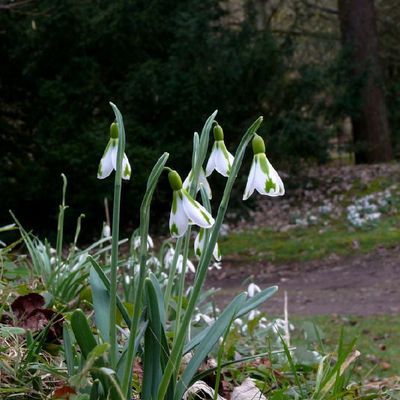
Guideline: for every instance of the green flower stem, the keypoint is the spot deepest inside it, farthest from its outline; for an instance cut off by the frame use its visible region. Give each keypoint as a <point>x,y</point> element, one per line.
<point>174,360</point>
<point>144,230</point>
<point>115,237</point>
<point>60,224</point>
<point>181,284</point>
<point>171,275</point>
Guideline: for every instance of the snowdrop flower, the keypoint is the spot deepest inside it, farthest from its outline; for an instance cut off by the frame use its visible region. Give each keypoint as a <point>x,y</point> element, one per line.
<point>220,158</point>
<point>185,210</point>
<point>189,265</point>
<point>199,244</point>
<point>106,231</point>
<point>202,181</point>
<point>262,176</point>
<point>253,289</point>
<point>109,160</point>
<point>169,257</point>
<point>216,265</point>
<point>253,314</point>
<point>200,316</point>
<point>136,242</point>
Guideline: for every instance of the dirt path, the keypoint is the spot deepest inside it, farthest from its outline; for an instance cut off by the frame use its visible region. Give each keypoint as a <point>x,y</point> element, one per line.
<point>358,285</point>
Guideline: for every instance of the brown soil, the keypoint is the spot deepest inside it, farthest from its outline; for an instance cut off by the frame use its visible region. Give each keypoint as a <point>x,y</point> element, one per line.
<point>355,285</point>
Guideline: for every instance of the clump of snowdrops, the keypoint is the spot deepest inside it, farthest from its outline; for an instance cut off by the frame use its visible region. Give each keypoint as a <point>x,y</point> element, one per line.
<point>156,329</point>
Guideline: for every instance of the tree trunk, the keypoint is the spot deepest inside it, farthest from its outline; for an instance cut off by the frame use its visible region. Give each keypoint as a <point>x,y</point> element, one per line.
<point>371,132</point>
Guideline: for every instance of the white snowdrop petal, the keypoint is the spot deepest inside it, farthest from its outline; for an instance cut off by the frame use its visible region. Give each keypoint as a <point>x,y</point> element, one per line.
<point>260,177</point>
<point>221,163</point>
<point>187,181</point>
<point>217,253</point>
<point>211,161</point>
<point>105,166</point>
<point>190,267</point>
<point>253,289</point>
<point>114,153</point>
<point>250,181</point>
<point>178,220</point>
<point>198,248</point>
<point>196,212</point>
<point>126,168</point>
<point>280,189</point>
<point>204,182</point>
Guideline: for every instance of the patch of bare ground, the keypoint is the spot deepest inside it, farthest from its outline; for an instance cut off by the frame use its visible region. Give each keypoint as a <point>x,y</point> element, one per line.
<point>353,285</point>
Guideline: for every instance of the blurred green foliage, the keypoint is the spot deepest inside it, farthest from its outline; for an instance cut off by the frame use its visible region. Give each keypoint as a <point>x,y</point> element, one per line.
<point>167,65</point>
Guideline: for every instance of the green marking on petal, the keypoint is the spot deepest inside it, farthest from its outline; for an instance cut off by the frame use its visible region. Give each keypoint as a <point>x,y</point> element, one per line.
<point>174,230</point>
<point>198,252</point>
<point>189,197</point>
<point>263,163</point>
<point>224,151</point>
<point>174,202</point>
<point>100,170</point>
<point>127,171</point>
<point>270,185</point>
<point>205,216</point>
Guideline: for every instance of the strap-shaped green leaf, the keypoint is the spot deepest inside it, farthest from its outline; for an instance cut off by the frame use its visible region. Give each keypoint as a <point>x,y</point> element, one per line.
<point>106,283</point>
<point>82,332</point>
<point>152,344</point>
<point>68,350</point>
<point>160,297</point>
<point>208,342</point>
<point>101,304</point>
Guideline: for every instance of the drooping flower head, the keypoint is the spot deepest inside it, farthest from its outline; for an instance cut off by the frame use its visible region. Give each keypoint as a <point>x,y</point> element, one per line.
<point>185,210</point>
<point>109,160</point>
<point>199,244</point>
<point>202,182</point>
<point>220,158</point>
<point>262,176</point>
<point>253,289</point>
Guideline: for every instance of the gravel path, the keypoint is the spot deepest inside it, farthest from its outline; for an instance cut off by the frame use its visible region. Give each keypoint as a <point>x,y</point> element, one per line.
<point>364,285</point>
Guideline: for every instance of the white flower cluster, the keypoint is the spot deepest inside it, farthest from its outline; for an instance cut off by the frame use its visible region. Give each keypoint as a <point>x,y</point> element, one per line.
<point>368,209</point>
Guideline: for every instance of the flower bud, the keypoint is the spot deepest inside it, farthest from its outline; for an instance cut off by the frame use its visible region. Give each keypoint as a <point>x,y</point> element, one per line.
<point>175,180</point>
<point>114,131</point>
<point>218,132</point>
<point>258,144</point>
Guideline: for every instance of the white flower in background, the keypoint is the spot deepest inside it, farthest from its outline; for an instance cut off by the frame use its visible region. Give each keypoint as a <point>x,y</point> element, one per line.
<point>169,257</point>
<point>216,265</point>
<point>200,316</point>
<point>199,244</point>
<point>109,160</point>
<point>153,261</point>
<point>253,289</point>
<point>253,314</point>
<point>185,210</point>
<point>189,265</point>
<point>262,323</point>
<point>220,158</point>
<point>106,231</point>
<point>262,176</point>
<point>201,182</point>
<point>136,242</point>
